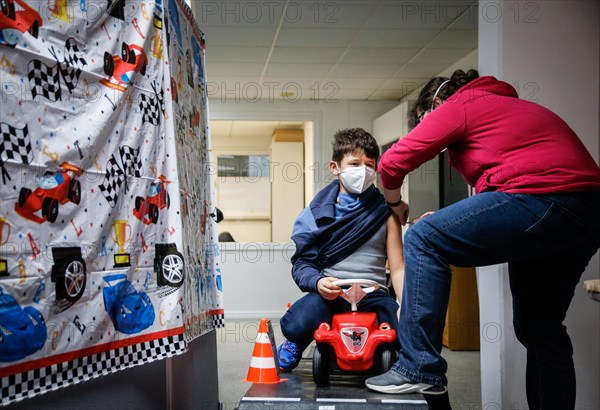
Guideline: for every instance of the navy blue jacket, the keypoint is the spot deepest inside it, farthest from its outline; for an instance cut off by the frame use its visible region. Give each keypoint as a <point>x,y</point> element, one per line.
<point>322,240</point>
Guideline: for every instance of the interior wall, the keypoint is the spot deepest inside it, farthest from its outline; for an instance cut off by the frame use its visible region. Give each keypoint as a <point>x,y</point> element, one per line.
<point>328,116</point>
<point>559,68</point>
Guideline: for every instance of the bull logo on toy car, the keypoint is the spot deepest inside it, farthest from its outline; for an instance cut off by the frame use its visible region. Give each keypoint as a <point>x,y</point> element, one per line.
<point>353,338</point>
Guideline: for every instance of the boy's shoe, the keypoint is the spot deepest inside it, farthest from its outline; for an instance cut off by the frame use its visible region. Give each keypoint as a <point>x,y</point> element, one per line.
<point>289,356</point>
<point>393,382</point>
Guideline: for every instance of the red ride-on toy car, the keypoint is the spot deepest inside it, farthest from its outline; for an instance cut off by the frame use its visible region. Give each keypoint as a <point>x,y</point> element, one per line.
<point>354,342</point>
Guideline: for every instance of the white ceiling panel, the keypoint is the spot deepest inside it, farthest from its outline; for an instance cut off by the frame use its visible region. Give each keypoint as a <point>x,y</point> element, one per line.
<point>301,70</point>
<point>323,37</point>
<point>456,39</point>
<point>235,69</point>
<point>307,55</point>
<point>420,71</point>
<point>359,84</point>
<point>395,38</point>
<point>217,36</point>
<point>354,49</point>
<point>361,55</point>
<point>237,54</point>
<point>359,70</point>
<point>446,56</point>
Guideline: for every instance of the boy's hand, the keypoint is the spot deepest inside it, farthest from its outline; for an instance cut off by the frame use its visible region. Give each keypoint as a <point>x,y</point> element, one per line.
<point>327,289</point>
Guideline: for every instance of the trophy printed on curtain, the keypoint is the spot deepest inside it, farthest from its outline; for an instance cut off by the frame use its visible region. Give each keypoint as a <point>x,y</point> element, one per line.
<point>3,241</point>
<point>121,237</point>
<point>60,10</point>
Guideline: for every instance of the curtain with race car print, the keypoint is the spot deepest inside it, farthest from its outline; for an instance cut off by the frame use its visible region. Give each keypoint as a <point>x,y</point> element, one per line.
<point>107,244</point>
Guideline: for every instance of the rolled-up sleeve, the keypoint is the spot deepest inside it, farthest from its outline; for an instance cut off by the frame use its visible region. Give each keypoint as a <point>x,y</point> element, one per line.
<point>439,129</point>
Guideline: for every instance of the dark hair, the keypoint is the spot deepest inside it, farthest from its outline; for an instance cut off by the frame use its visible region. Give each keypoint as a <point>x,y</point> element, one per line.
<point>425,100</point>
<point>353,140</point>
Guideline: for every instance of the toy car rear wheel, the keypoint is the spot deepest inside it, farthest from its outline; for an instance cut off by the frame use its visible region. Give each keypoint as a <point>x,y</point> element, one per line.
<point>23,195</point>
<point>167,200</point>
<point>75,191</point>
<point>50,209</point>
<point>321,365</point>
<point>138,203</point>
<point>34,29</point>
<point>153,213</point>
<point>125,52</point>
<point>8,9</point>
<point>109,64</point>
<point>388,358</point>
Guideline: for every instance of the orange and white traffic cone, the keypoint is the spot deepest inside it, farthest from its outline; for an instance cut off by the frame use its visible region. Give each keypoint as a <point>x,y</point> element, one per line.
<point>262,368</point>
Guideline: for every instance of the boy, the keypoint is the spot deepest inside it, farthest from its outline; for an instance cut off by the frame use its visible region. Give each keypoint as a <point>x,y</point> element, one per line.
<point>347,232</point>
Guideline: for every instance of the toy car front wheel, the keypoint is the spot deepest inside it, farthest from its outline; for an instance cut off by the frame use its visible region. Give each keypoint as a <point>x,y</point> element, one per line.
<point>23,195</point>
<point>321,365</point>
<point>109,64</point>
<point>75,191</point>
<point>50,209</point>
<point>138,203</point>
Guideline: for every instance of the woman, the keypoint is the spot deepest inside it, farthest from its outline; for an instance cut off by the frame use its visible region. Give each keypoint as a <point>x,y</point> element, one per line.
<point>537,207</point>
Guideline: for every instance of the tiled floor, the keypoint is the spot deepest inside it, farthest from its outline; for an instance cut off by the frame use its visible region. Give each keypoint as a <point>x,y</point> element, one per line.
<point>236,341</point>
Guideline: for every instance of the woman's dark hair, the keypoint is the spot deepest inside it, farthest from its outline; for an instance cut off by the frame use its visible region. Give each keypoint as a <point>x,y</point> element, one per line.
<point>354,140</point>
<point>425,100</point>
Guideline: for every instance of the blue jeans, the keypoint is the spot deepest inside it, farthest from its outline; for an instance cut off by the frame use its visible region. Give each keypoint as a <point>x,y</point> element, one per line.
<point>547,240</point>
<point>299,323</point>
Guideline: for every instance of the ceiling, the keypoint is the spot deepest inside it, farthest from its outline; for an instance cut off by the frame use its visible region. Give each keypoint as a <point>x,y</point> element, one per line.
<point>330,50</point>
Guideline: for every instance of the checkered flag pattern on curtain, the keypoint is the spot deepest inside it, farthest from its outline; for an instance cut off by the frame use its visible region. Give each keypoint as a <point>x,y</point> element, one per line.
<point>72,66</point>
<point>116,174</point>
<point>132,165</point>
<point>43,380</point>
<point>113,179</point>
<point>15,145</point>
<point>45,80</point>
<point>150,107</point>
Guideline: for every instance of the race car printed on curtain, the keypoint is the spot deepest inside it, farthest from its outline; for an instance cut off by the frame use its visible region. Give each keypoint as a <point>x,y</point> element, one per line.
<point>103,147</point>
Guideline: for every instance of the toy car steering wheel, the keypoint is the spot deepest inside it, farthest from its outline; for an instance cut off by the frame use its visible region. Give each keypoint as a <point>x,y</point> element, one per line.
<point>353,290</point>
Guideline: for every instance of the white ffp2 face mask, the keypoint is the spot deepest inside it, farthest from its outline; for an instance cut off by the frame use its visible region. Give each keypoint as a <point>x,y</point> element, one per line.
<point>356,180</point>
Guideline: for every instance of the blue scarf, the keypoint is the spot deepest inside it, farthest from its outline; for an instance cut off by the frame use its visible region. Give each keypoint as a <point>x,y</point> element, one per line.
<point>336,238</point>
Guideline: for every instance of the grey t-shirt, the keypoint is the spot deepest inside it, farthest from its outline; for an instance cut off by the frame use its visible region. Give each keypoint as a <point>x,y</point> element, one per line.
<point>367,262</point>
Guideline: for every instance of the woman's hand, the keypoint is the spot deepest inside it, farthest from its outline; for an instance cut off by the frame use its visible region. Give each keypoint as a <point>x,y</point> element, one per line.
<point>402,211</point>
<point>327,289</point>
<point>426,214</point>
<point>393,196</point>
